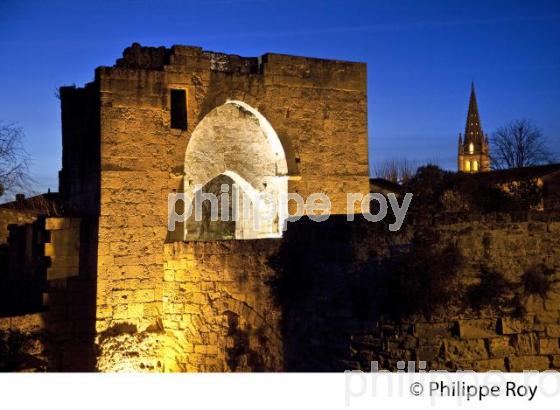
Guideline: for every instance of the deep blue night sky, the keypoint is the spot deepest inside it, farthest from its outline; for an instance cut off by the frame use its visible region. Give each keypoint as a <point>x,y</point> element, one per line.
<point>421,55</point>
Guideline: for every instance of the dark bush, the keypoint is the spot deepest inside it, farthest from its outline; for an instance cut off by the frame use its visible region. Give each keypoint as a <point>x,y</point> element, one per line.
<point>526,194</point>
<point>537,281</point>
<point>12,350</point>
<point>428,186</point>
<point>420,280</point>
<point>493,291</point>
<point>507,298</point>
<point>431,184</point>
<point>309,255</point>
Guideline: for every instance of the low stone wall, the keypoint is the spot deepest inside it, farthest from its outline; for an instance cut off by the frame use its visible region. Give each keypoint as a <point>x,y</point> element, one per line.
<point>218,300</point>
<point>456,337</point>
<point>13,216</point>
<point>309,302</point>
<point>23,343</point>
<point>479,344</point>
<point>21,282</point>
<point>33,323</point>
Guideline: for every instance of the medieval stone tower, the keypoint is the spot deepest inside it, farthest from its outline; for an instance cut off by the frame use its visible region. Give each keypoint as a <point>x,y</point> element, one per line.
<point>473,155</point>
<point>162,121</point>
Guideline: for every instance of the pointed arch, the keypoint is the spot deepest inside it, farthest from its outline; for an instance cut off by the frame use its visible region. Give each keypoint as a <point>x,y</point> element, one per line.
<point>237,141</point>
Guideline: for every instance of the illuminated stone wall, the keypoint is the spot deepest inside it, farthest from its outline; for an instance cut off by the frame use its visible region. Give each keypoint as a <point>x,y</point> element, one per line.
<point>15,217</point>
<point>222,310</point>
<point>219,314</point>
<point>316,107</point>
<point>63,247</point>
<point>25,336</point>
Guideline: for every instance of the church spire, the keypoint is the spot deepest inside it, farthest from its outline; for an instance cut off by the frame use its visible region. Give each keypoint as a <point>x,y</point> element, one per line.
<point>473,128</point>
<point>473,147</point>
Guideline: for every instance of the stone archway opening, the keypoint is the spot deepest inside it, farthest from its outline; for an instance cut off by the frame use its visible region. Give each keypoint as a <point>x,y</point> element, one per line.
<point>235,156</point>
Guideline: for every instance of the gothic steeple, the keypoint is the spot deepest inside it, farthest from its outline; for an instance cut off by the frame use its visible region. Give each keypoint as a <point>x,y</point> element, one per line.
<point>473,128</point>
<point>473,146</point>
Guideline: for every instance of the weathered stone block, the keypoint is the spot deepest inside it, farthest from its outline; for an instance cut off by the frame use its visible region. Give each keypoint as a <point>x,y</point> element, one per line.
<point>549,346</point>
<point>501,347</point>
<point>144,295</point>
<point>553,330</point>
<point>135,310</point>
<point>174,308</point>
<point>552,301</point>
<point>182,275</point>
<point>53,224</point>
<point>509,326</point>
<point>547,317</point>
<point>429,332</point>
<point>206,349</point>
<point>477,329</point>
<point>191,309</point>
<point>457,350</point>
<point>428,353</point>
<point>168,275</point>
<point>527,363</point>
<point>199,298</point>
<point>489,365</point>
<point>527,343</point>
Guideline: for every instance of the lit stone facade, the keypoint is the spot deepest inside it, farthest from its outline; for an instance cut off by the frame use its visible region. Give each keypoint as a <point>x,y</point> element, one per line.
<point>273,124</point>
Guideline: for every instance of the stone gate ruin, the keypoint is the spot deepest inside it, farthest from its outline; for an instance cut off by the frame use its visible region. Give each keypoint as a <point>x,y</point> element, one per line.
<point>172,120</point>
<point>119,291</point>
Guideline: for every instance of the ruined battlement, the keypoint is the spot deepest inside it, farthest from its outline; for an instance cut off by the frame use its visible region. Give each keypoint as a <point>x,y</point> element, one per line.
<point>178,58</point>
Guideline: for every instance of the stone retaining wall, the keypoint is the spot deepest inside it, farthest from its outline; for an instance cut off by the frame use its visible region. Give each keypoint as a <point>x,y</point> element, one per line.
<point>13,216</point>
<point>223,309</point>
<point>325,332</point>
<point>23,342</point>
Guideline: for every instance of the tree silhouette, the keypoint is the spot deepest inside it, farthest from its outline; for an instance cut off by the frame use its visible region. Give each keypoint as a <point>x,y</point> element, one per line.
<point>519,144</point>
<point>14,160</point>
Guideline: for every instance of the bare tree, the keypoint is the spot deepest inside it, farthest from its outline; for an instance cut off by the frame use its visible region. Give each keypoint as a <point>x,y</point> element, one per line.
<point>519,144</point>
<point>395,170</point>
<point>14,160</point>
